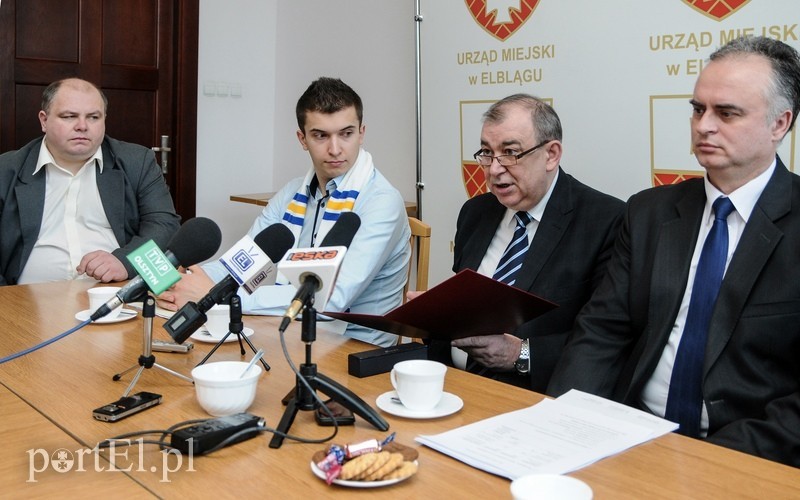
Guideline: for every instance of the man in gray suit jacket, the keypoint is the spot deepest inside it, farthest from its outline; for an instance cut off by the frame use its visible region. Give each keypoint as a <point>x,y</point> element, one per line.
<point>641,320</point>
<point>76,202</point>
<point>571,234</point>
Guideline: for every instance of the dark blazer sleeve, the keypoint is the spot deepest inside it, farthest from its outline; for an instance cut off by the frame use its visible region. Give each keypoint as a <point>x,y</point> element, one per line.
<point>136,198</point>
<point>565,263</point>
<point>21,209</point>
<point>592,363</point>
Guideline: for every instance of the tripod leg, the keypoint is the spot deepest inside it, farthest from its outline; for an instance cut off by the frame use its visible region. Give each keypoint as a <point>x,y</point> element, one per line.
<point>349,400</point>
<point>252,347</point>
<point>285,423</point>
<point>184,377</point>
<point>241,346</point>
<point>133,381</point>
<point>288,397</point>
<point>122,374</point>
<point>214,349</point>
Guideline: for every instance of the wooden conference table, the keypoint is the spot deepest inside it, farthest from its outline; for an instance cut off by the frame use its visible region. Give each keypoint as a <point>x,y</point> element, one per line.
<point>47,397</point>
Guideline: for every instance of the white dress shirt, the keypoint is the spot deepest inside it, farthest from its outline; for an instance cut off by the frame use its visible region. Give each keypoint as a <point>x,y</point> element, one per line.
<point>74,222</point>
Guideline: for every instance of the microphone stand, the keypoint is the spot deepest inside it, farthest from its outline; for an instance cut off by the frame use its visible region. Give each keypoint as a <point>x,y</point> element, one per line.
<point>147,359</point>
<point>235,327</point>
<point>303,399</point>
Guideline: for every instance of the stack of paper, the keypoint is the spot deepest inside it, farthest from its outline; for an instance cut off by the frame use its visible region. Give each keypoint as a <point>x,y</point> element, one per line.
<point>554,436</point>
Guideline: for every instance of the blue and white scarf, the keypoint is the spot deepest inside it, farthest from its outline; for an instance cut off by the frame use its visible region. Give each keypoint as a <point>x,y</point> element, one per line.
<point>343,199</point>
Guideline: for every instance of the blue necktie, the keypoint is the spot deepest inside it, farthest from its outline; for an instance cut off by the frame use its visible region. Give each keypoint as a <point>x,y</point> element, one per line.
<point>685,399</point>
<point>512,258</point>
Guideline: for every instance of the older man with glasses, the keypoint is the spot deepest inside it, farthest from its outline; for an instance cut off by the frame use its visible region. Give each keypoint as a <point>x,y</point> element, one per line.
<point>538,229</point>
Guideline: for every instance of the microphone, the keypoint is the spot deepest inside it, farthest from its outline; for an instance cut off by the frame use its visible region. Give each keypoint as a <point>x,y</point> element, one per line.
<point>250,268</point>
<point>198,239</point>
<point>313,270</point>
<point>250,264</point>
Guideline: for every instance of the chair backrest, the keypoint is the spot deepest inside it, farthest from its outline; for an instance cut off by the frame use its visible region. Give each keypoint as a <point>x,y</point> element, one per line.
<point>420,254</point>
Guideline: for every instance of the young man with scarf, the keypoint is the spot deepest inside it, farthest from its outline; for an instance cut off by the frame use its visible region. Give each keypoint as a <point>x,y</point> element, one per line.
<point>342,179</point>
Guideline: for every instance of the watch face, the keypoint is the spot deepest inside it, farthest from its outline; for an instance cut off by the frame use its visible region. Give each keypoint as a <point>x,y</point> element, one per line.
<point>522,365</point>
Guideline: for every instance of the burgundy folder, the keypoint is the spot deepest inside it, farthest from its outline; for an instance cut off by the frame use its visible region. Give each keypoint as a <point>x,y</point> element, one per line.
<point>466,305</point>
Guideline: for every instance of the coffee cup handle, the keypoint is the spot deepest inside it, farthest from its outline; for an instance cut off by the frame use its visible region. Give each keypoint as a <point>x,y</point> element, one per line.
<point>393,378</point>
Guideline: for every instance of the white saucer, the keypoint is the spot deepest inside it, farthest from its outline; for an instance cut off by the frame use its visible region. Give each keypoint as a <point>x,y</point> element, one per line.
<point>202,335</point>
<point>449,404</point>
<point>124,315</point>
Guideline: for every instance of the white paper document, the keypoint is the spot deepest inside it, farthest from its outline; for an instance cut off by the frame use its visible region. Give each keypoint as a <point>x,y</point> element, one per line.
<point>554,436</point>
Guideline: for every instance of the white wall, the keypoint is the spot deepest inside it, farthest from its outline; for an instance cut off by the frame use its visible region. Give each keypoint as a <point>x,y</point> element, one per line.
<point>275,50</point>
<point>235,139</point>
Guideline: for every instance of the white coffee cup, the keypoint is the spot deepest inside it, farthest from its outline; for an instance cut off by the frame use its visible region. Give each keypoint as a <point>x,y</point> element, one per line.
<point>419,383</point>
<point>99,295</point>
<point>550,487</point>
<point>218,320</point>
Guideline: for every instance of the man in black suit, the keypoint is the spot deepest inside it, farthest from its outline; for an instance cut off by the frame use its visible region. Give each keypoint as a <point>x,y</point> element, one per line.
<point>641,320</point>
<point>571,234</point>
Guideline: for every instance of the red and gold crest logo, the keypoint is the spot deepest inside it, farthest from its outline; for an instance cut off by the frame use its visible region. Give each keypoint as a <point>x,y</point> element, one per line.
<point>501,18</point>
<point>474,178</point>
<point>716,9</point>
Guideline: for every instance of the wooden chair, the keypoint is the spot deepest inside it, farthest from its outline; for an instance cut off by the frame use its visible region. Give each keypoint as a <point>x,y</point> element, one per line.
<point>420,254</point>
<point>420,260</point>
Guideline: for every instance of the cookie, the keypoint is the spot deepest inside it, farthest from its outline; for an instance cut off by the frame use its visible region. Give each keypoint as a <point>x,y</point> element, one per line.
<point>395,461</point>
<point>409,454</point>
<point>353,468</point>
<point>319,456</point>
<point>402,472</point>
<point>380,461</point>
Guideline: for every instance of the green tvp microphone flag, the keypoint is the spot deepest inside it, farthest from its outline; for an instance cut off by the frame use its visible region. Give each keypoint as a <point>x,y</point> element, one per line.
<point>154,267</point>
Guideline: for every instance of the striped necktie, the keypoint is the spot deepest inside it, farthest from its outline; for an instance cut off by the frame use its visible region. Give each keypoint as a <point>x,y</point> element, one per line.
<point>685,398</point>
<point>512,258</point>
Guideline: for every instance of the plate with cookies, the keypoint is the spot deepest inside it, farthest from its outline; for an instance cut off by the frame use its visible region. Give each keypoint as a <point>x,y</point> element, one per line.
<point>377,467</point>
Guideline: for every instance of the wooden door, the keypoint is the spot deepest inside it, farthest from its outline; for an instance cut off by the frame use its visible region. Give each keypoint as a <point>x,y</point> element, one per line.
<point>142,53</point>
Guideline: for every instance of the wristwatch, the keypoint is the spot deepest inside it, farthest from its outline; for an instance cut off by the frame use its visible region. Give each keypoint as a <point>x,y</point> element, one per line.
<point>523,363</point>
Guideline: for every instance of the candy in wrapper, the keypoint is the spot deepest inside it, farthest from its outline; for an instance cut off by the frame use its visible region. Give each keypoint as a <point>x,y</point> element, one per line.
<point>332,473</point>
<point>338,451</point>
<point>388,439</point>
<point>331,466</point>
<point>355,449</point>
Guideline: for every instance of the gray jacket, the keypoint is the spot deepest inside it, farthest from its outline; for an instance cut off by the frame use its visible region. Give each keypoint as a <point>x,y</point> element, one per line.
<point>133,192</point>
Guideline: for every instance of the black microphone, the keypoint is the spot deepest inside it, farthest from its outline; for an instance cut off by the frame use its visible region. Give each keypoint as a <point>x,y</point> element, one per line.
<point>274,240</point>
<point>198,239</point>
<point>314,270</point>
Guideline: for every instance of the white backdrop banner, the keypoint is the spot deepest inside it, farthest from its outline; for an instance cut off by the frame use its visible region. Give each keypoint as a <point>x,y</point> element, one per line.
<point>618,72</point>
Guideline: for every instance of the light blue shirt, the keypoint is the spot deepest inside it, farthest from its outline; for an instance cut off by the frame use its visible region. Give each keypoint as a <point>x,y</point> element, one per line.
<point>375,267</point>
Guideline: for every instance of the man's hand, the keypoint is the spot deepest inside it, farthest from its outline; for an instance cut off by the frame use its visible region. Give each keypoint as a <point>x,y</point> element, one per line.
<point>412,294</point>
<point>102,266</point>
<point>498,352</point>
<point>193,286</point>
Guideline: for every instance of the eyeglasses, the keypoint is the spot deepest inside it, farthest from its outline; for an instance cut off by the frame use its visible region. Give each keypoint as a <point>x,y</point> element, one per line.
<point>485,160</point>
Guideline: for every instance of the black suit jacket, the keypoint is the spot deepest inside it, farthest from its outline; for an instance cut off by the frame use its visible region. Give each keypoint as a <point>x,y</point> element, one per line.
<point>564,264</point>
<point>751,374</point>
